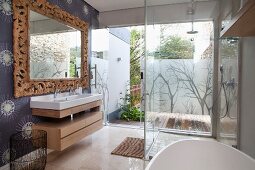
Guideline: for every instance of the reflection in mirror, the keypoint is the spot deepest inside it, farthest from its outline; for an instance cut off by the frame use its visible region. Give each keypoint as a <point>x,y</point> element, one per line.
<point>55,49</point>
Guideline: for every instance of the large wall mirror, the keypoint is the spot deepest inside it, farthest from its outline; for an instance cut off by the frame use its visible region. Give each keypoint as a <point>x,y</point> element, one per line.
<point>50,49</point>
<point>55,49</point>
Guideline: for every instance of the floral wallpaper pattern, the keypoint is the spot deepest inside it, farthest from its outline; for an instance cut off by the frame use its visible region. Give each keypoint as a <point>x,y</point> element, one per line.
<point>15,114</point>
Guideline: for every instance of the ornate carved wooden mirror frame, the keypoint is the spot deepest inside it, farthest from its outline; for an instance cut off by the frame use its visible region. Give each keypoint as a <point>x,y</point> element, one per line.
<point>23,85</point>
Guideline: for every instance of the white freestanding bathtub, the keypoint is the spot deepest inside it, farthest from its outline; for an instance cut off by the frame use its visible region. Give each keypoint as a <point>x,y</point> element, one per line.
<point>200,155</point>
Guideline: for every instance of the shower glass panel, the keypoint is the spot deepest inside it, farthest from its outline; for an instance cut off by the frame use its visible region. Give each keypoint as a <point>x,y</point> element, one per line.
<point>178,75</point>
<point>228,91</point>
<point>150,98</point>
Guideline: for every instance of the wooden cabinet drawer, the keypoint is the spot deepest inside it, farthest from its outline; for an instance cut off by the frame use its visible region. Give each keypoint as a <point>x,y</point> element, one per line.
<point>72,130</point>
<point>79,123</point>
<point>77,136</point>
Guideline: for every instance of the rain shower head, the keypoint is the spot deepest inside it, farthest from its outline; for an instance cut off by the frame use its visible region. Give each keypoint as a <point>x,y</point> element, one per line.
<point>191,12</point>
<point>192,29</point>
<point>192,32</point>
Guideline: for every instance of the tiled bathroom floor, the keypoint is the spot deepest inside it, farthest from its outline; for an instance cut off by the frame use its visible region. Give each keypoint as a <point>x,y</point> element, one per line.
<point>94,152</point>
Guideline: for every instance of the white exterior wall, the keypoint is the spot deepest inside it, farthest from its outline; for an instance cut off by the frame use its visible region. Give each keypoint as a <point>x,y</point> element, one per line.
<point>119,71</point>
<point>114,74</point>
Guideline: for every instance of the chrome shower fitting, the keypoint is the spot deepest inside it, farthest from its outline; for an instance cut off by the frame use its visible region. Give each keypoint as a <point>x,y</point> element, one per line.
<point>221,69</point>
<point>230,83</point>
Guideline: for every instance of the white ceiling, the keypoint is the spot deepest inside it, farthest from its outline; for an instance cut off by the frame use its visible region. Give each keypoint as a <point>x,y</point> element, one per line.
<point>112,5</point>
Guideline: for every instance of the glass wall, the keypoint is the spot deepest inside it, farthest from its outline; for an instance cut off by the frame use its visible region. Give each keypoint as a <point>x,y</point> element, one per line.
<point>178,76</point>
<point>228,91</point>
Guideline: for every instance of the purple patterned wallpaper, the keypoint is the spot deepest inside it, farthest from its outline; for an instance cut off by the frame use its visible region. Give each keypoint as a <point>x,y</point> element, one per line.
<point>15,114</point>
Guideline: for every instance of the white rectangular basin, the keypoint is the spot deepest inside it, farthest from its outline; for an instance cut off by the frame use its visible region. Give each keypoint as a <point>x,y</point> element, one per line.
<point>63,101</point>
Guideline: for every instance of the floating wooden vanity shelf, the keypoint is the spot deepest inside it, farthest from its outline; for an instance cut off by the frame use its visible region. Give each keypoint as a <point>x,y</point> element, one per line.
<point>243,24</point>
<point>63,131</point>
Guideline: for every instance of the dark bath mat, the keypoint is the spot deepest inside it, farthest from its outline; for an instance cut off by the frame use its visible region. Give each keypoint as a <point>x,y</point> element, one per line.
<point>130,147</point>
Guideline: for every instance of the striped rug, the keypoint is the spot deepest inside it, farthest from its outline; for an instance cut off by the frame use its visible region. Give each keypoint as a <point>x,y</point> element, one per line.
<point>130,147</point>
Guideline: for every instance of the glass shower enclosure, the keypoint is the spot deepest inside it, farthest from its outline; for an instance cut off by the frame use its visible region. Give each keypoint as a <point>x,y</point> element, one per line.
<point>178,76</point>
<point>179,72</point>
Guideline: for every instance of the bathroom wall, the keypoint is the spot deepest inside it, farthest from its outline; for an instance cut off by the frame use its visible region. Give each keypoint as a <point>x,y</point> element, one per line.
<point>15,114</point>
<point>228,8</point>
<point>247,110</point>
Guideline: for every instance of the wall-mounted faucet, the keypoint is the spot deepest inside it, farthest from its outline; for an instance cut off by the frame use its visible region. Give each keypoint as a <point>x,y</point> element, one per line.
<point>56,92</point>
<point>71,91</point>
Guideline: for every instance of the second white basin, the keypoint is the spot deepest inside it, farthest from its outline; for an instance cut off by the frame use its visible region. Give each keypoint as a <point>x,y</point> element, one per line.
<point>64,101</point>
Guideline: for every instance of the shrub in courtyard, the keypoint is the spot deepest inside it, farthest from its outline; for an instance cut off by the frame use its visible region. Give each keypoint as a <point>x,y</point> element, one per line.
<point>131,113</point>
<point>128,111</point>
